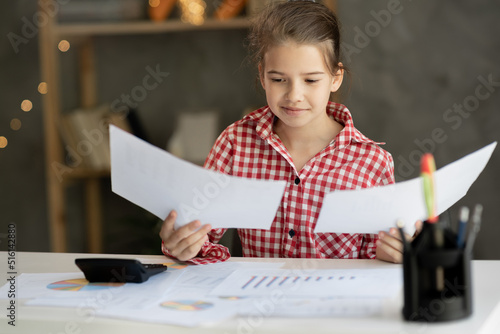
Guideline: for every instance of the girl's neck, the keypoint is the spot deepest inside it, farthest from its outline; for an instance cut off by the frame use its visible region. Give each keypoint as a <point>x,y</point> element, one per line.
<point>306,137</point>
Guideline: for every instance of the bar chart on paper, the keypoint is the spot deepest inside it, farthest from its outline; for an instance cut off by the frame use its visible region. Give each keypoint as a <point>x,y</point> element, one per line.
<point>312,283</point>
<point>290,281</point>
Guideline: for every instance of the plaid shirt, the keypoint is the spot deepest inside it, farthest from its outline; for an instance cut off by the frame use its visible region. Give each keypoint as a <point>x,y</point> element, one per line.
<point>249,148</point>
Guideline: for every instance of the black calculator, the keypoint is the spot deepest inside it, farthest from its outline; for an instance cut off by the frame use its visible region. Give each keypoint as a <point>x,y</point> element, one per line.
<point>110,270</point>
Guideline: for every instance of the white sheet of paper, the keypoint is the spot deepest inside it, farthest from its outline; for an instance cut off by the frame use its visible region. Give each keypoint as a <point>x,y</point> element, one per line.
<point>159,182</point>
<point>375,209</point>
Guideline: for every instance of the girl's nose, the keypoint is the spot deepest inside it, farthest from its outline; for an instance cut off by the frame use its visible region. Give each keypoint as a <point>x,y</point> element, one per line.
<point>295,92</point>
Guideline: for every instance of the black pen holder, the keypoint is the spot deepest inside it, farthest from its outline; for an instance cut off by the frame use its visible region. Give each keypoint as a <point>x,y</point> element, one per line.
<point>437,277</point>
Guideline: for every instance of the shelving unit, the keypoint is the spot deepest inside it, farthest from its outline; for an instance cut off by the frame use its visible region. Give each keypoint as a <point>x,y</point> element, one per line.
<point>145,27</point>
<point>81,37</point>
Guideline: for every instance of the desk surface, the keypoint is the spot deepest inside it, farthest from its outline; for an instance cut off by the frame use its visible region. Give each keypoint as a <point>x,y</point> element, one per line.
<point>485,318</point>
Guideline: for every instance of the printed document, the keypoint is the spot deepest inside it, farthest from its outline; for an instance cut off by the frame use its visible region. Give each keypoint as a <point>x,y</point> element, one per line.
<point>375,209</point>
<point>159,182</point>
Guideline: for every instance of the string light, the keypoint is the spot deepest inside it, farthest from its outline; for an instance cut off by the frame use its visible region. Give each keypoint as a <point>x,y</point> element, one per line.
<point>15,124</point>
<point>26,105</point>
<point>3,142</point>
<point>193,11</point>
<point>42,88</point>
<point>63,45</point>
<point>154,3</point>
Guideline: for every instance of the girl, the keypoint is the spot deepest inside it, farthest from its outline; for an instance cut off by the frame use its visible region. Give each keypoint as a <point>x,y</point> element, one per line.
<point>300,137</point>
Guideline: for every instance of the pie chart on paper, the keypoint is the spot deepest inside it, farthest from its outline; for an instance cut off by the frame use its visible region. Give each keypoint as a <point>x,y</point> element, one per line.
<point>187,305</point>
<point>80,284</point>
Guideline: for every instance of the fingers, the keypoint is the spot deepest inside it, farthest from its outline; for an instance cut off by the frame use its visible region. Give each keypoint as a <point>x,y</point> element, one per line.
<point>187,238</point>
<point>168,225</point>
<point>390,246</point>
<point>386,253</point>
<point>185,242</point>
<point>391,239</point>
<point>189,248</point>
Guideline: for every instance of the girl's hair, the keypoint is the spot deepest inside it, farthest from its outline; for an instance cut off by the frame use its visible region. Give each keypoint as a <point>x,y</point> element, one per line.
<point>301,22</point>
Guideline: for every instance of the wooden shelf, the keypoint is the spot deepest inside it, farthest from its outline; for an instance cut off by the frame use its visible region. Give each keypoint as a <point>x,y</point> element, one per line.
<point>145,27</point>
<point>80,173</point>
<point>50,35</point>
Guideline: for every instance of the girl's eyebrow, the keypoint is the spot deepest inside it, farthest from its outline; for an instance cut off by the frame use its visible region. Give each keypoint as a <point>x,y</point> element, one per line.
<point>281,73</point>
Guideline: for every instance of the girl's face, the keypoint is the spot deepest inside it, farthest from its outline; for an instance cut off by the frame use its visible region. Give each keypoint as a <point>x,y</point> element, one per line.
<point>298,84</point>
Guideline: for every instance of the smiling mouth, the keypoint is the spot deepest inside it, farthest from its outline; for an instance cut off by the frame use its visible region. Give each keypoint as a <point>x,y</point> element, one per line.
<point>292,110</point>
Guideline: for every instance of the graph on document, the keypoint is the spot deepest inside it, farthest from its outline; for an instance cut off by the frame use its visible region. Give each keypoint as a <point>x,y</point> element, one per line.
<point>311,283</point>
<point>292,281</point>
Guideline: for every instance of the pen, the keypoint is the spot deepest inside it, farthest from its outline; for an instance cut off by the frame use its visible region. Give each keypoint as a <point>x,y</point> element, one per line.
<point>462,224</point>
<point>476,225</point>
<point>406,245</point>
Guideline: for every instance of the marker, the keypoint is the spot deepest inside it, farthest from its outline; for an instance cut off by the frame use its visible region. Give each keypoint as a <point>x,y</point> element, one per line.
<point>427,169</point>
<point>462,224</point>
<point>476,226</point>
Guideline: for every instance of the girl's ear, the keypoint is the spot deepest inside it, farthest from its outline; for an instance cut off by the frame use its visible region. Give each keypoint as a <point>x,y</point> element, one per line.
<point>337,79</point>
<point>261,76</point>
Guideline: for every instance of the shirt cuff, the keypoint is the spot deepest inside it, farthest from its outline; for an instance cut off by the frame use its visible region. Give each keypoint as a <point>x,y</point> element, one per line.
<point>369,247</point>
<point>209,253</point>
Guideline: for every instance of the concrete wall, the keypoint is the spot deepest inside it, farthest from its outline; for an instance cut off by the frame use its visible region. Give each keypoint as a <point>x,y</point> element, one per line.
<point>413,63</point>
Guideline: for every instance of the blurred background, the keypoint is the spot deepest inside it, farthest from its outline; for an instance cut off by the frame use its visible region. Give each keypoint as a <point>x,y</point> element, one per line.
<point>424,76</point>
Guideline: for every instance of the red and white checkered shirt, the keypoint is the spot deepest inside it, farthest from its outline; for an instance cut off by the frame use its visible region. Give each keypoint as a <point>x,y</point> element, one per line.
<point>249,148</point>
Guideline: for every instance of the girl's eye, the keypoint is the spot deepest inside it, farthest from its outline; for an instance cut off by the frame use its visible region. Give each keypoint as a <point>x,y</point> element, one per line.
<point>311,80</point>
<point>277,80</point>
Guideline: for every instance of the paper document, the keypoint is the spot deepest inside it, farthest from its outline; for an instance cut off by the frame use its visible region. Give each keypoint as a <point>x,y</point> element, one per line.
<point>159,182</point>
<point>374,209</point>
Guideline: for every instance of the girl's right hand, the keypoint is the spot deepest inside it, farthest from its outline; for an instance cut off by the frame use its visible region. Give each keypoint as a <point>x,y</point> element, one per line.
<point>185,242</point>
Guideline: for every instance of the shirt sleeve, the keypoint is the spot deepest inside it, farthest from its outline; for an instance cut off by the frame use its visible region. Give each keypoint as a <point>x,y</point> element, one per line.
<point>387,173</point>
<point>219,159</point>
<point>209,253</point>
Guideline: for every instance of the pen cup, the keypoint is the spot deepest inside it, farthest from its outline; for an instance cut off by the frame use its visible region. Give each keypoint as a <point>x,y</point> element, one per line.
<point>437,279</point>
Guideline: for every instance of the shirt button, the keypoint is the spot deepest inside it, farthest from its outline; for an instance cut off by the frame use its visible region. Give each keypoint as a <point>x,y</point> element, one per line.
<point>297,180</point>
<point>291,233</point>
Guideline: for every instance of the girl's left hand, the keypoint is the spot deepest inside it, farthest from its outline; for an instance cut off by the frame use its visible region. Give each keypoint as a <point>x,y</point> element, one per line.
<point>390,245</point>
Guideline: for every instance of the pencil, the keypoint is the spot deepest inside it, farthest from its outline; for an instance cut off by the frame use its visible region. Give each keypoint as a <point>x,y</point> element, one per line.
<point>406,245</point>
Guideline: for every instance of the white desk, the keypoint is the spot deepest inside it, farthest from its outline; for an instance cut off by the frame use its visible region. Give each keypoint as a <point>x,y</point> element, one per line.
<point>49,320</point>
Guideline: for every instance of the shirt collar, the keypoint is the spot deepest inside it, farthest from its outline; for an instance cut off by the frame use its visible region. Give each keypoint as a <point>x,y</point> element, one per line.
<point>265,120</point>
<point>349,134</point>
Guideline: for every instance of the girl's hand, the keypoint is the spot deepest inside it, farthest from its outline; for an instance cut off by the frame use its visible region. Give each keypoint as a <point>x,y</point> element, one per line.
<point>185,242</point>
<point>390,245</point>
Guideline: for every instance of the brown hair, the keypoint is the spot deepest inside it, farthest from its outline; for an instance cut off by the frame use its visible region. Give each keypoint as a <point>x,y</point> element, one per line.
<point>302,22</point>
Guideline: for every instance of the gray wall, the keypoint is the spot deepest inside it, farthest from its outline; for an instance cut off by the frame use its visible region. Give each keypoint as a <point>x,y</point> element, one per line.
<point>410,62</point>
